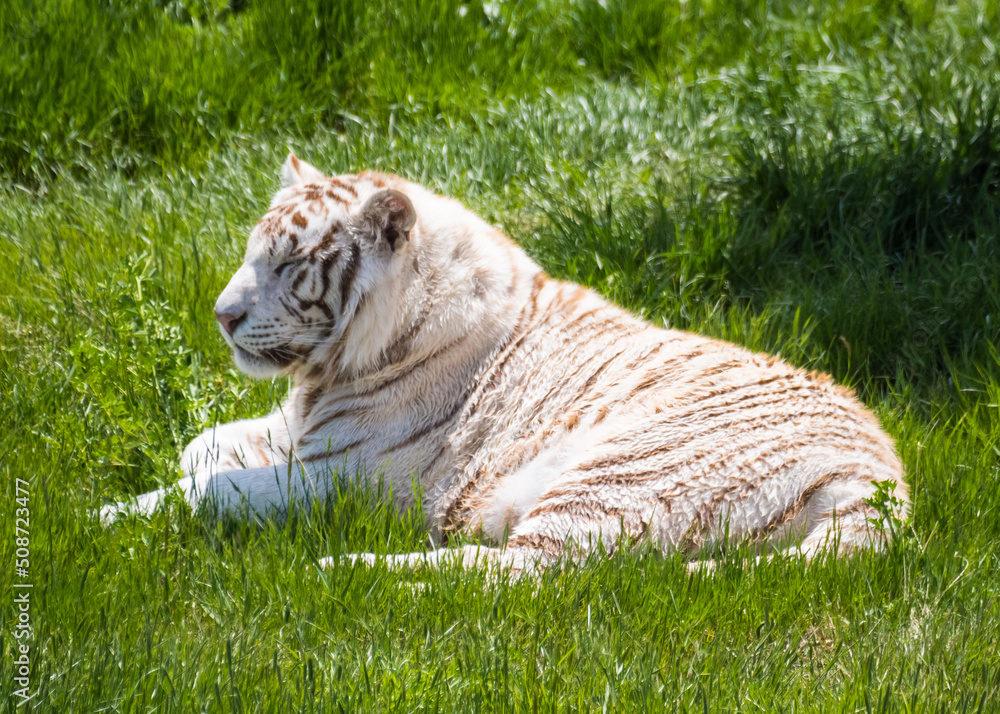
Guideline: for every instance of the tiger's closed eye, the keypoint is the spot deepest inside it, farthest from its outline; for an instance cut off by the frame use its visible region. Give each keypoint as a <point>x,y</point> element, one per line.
<point>281,268</point>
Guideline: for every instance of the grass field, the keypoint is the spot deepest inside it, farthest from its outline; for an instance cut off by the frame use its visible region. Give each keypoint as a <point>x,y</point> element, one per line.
<point>816,179</point>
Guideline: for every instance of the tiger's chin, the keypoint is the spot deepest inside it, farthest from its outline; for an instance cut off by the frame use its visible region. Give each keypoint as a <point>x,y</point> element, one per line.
<point>272,364</point>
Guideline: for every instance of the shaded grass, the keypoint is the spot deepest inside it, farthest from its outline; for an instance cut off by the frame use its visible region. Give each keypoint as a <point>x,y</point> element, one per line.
<point>815,181</point>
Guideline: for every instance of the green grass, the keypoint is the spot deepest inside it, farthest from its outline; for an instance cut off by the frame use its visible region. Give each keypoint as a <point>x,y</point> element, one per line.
<point>817,180</point>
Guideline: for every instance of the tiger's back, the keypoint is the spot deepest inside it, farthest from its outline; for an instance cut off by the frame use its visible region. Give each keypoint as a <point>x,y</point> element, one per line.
<point>591,423</point>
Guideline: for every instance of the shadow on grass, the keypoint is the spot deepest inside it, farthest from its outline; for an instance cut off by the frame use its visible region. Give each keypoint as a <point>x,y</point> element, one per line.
<point>885,250</point>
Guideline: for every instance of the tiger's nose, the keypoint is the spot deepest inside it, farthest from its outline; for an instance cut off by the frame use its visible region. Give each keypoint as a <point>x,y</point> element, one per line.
<point>229,320</point>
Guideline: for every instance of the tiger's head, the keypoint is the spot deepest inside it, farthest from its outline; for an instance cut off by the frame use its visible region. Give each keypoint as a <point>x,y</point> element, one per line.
<point>323,247</point>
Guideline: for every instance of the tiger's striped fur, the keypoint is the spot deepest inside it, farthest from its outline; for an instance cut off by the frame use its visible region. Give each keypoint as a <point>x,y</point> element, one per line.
<point>534,413</point>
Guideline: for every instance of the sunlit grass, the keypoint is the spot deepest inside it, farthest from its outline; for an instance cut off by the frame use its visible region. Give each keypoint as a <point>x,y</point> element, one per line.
<point>821,181</point>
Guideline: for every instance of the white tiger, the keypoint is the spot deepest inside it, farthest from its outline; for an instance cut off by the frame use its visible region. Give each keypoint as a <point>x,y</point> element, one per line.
<point>536,416</point>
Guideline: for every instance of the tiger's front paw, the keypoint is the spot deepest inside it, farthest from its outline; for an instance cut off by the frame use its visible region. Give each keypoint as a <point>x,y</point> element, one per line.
<point>144,505</point>
<point>113,512</point>
<point>206,456</point>
<point>368,559</point>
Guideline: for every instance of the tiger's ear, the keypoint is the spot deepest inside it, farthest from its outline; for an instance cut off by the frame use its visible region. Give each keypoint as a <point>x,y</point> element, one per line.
<point>295,172</point>
<point>388,215</point>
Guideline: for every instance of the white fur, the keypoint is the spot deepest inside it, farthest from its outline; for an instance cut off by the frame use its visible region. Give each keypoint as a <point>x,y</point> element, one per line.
<point>425,344</point>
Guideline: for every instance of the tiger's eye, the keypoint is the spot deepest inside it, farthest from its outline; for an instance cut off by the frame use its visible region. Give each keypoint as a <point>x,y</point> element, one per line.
<point>281,268</point>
